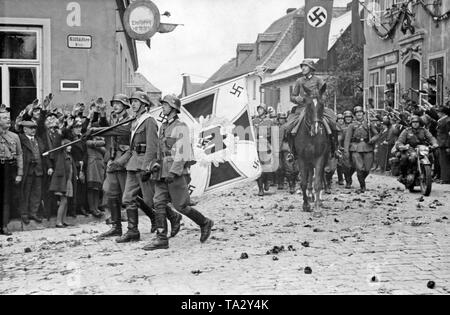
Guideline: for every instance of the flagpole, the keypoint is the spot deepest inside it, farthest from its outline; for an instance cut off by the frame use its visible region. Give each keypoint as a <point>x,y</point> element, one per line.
<point>335,102</point>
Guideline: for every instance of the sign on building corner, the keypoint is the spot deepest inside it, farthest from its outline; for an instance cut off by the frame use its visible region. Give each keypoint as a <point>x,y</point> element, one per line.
<point>141,19</point>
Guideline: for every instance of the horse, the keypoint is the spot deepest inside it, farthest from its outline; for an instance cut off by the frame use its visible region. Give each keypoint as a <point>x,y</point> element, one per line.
<point>312,146</point>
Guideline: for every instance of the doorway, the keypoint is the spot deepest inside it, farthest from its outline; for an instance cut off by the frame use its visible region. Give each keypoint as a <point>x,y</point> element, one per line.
<point>412,78</point>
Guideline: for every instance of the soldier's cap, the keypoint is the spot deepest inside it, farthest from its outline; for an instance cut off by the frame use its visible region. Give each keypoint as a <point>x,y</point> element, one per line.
<point>358,109</point>
<point>4,109</point>
<point>348,113</point>
<point>309,63</point>
<point>339,116</point>
<point>28,124</point>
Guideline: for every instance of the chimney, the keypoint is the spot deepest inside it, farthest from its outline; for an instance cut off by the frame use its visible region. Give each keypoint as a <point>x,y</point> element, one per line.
<point>186,85</point>
<point>242,52</point>
<point>264,43</point>
<point>290,10</point>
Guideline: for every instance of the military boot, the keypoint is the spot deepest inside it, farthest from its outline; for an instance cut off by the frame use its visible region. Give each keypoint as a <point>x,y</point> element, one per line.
<point>203,222</point>
<point>132,235</point>
<point>116,229</point>
<point>266,182</point>
<point>260,187</point>
<point>292,186</point>
<point>280,181</point>
<point>175,221</point>
<point>362,183</point>
<point>160,241</point>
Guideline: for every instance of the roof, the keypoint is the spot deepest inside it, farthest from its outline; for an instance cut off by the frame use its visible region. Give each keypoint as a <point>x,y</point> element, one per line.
<point>282,45</point>
<point>291,65</point>
<point>189,87</point>
<point>143,83</point>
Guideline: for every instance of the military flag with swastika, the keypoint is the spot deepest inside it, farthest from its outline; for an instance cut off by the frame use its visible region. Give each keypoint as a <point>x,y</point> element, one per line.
<point>318,15</point>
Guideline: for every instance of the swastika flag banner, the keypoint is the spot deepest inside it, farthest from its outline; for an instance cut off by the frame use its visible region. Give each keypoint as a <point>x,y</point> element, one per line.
<point>222,136</point>
<point>318,15</point>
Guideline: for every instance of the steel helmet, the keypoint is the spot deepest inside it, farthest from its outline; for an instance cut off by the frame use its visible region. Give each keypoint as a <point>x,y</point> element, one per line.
<point>173,102</point>
<point>141,96</point>
<point>339,116</point>
<point>263,106</point>
<point>309,63</point>
<point>358,109</point>
<point>122,98</point>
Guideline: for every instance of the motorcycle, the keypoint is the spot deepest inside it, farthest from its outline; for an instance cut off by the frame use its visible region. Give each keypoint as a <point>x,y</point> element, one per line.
<point>422,171</point>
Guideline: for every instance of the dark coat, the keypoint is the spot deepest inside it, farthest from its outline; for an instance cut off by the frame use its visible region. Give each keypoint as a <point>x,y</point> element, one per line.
<point>28,153</point>
<point>60,176</point>
<point>96,166</point>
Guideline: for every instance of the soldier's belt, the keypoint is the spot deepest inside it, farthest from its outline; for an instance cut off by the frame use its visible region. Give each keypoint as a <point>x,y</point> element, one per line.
<point>140,148</point>
<point>358,140</point>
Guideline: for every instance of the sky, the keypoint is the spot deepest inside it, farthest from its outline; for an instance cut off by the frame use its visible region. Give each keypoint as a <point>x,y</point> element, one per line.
<point>208,39</point>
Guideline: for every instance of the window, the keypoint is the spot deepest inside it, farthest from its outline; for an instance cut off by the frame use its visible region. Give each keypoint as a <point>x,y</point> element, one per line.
<point>20,66</point>
<point>436,80</point>
<point>391,84</point>
<point>374,80</point>
<point>18,45</point>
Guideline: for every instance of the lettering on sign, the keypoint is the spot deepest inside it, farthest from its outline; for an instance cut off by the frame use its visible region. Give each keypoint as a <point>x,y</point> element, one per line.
<point>141,20</point>
<point>79,41</point>
<point>74,16</point>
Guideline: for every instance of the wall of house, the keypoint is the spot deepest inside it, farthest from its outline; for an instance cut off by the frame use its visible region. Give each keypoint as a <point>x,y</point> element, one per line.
<point>398,55</point>
<point>102,69</point>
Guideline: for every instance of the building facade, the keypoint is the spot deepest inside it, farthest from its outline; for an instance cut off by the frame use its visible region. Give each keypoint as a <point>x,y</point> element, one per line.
<point>76,50</point>
<point>406,60</point>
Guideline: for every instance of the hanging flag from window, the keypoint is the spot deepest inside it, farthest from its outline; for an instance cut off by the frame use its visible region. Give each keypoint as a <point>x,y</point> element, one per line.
<point>222,136</point>
<point>358,37</point>
<point>318,15</point>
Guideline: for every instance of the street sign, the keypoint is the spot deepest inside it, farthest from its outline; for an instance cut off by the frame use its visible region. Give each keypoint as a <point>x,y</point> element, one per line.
<point>141,20</point>
<point>79,41</point>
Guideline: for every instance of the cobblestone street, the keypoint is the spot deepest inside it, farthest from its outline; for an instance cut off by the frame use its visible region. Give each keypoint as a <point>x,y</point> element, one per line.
<point>385,241</point>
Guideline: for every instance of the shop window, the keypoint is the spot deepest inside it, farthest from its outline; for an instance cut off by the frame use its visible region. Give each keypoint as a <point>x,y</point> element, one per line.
<point>436,81</point>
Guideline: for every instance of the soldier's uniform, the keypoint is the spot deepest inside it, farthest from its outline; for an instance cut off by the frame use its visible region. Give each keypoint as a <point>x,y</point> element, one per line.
<point>116,173</point>
<point>315,87</point>
<point>171,174</point>
<point>344,161</point>
<point>262,125</point>
<point>287,165</point>
<point>413,137</point>
<point>359,145</point>
<point>11,165</point>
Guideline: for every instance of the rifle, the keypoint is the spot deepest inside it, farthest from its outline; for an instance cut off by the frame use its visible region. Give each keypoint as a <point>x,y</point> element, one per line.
<point>98,133</point>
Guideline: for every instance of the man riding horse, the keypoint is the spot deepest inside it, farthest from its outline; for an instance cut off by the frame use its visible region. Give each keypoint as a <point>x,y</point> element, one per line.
<point>316,86</point>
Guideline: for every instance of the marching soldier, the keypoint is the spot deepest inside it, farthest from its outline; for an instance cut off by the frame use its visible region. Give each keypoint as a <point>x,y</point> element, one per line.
<point>116,174</point>
<point>346,165</point>
<point>340,125</point>
<point>11,166</point>
<point>143,155</point>
<point>262,124</point>
<point>171,175</point>
<point>359,146</point>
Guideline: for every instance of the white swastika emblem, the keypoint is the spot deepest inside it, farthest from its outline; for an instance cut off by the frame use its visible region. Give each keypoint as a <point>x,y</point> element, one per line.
<point>317,16</point>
